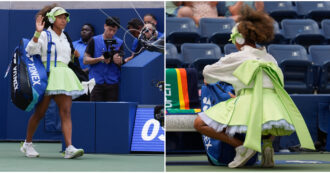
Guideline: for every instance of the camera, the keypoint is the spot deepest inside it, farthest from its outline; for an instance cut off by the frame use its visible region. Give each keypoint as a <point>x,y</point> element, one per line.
<point>159,114</point>
<point>108,54</point>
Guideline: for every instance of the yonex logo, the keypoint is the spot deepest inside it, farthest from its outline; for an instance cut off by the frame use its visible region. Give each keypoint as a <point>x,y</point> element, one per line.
<point>15,83</point>
<point>207,142</point>
<point>14,59</point>
<point>34,74</point>
<point>207,103</point>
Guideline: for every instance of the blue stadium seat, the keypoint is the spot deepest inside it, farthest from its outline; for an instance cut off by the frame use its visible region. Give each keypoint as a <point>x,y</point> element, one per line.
<point>181,30</point>
<point>316,10</point>
<point>282,52</point>
<point>296,66</point>
<point>193,51</point>
<point>216,30</point>
<point>302,31</point>
<point>200,54</point>
<point>278,37</point>
<point>230,48</point>
<point>320,55</point>
<point>173,59</point>
<point>325,25</point>
<point>199,65</point>
<point>280,10</point>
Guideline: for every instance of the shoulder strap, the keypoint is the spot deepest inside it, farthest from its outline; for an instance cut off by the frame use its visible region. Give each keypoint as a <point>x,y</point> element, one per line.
<point>49,50</point>
<point>73,59</point>
<point>70,41</point>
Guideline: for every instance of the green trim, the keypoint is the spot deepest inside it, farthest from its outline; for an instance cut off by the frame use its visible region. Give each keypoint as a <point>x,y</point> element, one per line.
<point>34,101</point>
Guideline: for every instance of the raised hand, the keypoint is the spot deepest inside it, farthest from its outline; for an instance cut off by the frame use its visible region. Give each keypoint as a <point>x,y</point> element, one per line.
<point>40,24</point>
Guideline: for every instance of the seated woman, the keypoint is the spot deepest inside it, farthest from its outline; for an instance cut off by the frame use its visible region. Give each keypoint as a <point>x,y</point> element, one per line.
<point>262,108</point>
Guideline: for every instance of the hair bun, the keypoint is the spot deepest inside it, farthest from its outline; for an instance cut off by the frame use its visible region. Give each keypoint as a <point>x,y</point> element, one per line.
<point>255,26</point>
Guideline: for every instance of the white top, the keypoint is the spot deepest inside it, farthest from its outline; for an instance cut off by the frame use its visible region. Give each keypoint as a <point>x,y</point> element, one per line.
<point>224,68</point>
<point>62,47</point>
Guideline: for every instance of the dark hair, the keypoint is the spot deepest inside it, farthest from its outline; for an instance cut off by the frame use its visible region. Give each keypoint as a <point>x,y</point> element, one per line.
<point>149,14</point>
<point>91,26</point>
<point>112,21</point>
<point>255,26</point>
<point>43,13</point>
<point>153,26</point>
<point>135,23</point>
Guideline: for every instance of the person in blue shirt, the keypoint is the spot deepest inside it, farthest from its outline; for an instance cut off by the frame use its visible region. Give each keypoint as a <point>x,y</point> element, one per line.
<point>104,68</point>
<point>150,18</point>
<point>135,26</point>
<point>87,32</point>
<point>148,34</point>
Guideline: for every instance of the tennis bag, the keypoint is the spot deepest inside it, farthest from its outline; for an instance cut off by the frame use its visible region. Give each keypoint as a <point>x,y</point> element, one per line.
<point>219,153</point>
<point>28,78</point>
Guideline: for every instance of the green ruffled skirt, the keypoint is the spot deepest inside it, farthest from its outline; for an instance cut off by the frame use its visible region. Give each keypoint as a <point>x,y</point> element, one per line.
<point>62,80</point>
<point>233,114</point>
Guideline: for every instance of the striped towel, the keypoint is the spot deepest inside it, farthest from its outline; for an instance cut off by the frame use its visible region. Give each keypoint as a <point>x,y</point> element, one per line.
<point>181,88</point>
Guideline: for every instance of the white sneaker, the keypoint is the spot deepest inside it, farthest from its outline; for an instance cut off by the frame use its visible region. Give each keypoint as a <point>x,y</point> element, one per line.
<point>267,158</point>
<point>28,150</point>
<point>242,156</point>
<point>72,152</point>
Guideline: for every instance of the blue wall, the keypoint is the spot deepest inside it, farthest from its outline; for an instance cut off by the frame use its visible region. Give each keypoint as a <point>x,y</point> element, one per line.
<point>4,18</point>
<point>139,78</point>
<point>310,107</point>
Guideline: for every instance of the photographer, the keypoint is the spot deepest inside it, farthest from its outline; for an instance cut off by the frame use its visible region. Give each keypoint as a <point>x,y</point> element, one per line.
<point>104,53</point>
<point>148,35</point>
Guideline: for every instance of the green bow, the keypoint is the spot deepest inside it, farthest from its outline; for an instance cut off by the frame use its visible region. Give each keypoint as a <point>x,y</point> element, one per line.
<point>251,70</point>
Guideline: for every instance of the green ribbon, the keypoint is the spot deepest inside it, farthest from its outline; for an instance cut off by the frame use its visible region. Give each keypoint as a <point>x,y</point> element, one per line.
<point>251,70</point>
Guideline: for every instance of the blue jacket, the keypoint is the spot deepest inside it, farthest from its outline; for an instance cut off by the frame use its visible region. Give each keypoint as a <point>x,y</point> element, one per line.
<point>102,72</point>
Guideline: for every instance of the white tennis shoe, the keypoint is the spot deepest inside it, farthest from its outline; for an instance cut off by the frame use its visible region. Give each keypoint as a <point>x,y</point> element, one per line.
<point>267,158</point>
<point>242,156</point>
<point>71,152</point>
<point>28,149</point>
